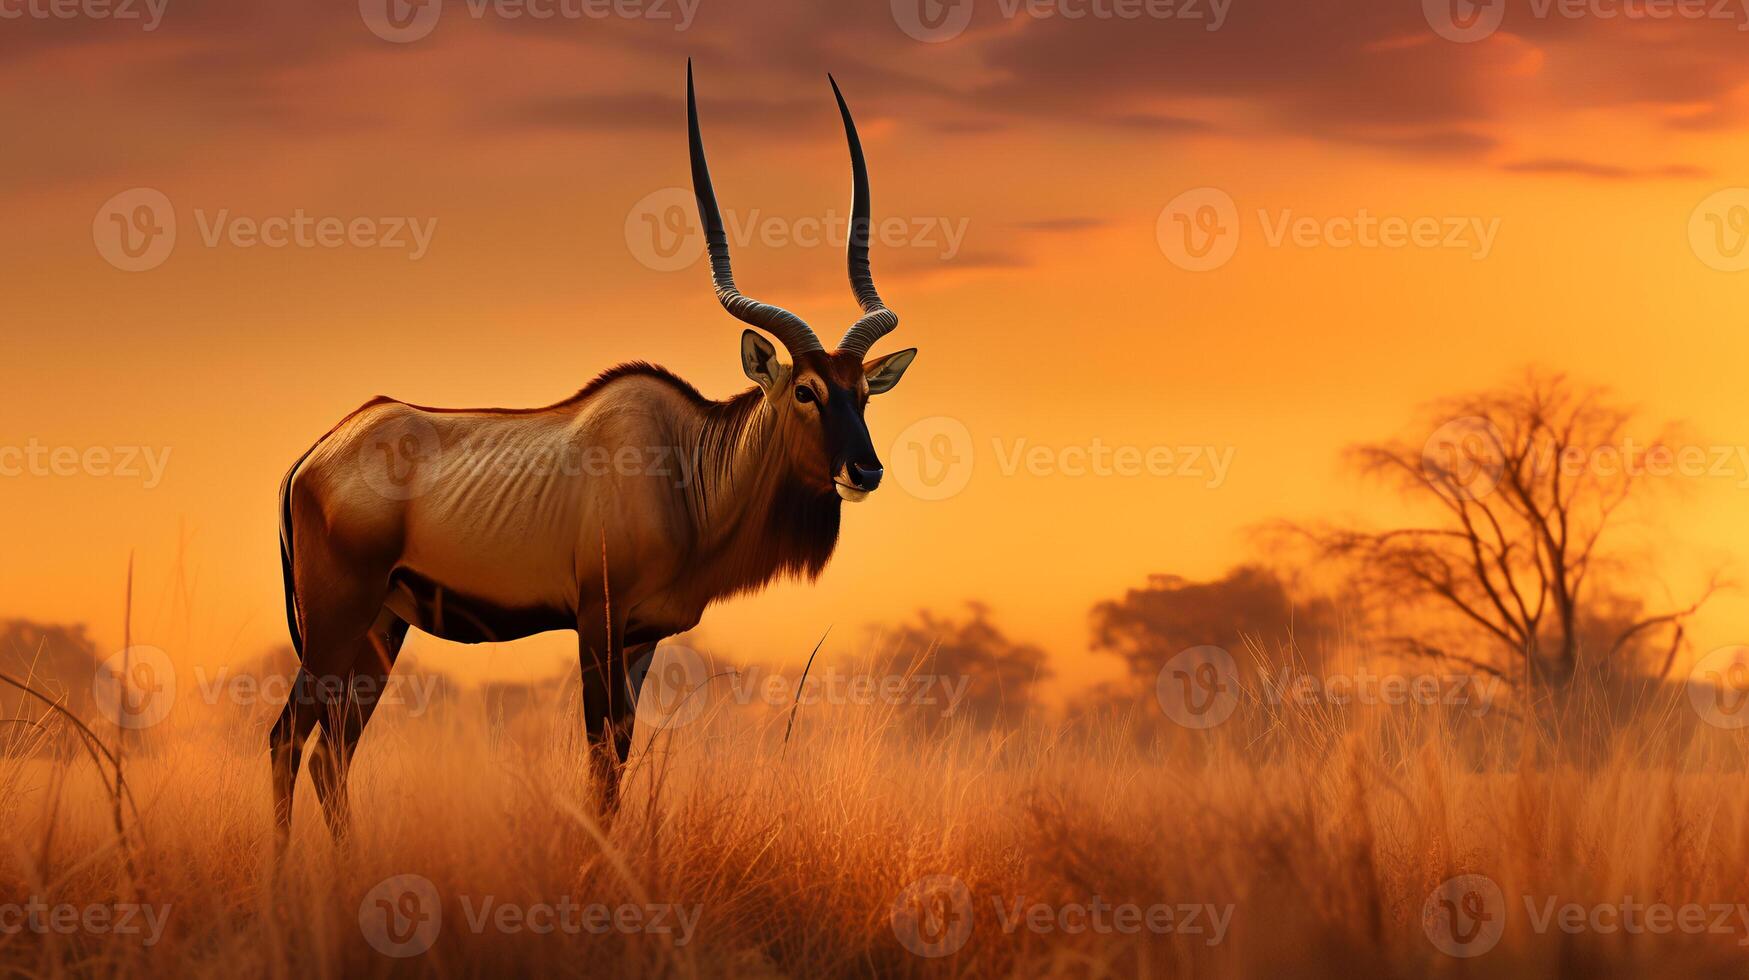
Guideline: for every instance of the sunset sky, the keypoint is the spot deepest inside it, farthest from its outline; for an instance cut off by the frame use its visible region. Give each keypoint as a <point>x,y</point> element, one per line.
<point>1585,166</point>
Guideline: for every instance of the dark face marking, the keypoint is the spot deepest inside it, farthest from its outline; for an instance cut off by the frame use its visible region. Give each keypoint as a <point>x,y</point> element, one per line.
<point>848,450</point>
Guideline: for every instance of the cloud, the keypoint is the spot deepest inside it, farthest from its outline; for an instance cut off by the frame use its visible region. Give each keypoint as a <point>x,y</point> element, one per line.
<point>1603,171</point>
<point>1354,72</point>
<point>1072,223</point>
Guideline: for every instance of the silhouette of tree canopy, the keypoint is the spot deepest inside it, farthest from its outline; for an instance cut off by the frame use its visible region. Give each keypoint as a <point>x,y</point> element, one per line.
<point>1152,624</point>
<point>58,660</point>
<point>1002,676</point>
<point>1524,485</point>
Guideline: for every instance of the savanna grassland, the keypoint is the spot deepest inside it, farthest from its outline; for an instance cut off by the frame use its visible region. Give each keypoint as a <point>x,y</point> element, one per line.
<point>1299,838</point>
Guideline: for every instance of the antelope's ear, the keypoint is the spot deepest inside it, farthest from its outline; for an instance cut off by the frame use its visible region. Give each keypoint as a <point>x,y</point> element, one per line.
<point>758,358</point>
<point>884,372</point>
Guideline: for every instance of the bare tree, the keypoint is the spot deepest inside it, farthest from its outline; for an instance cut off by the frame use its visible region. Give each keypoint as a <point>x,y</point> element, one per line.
<point>1525,484</point>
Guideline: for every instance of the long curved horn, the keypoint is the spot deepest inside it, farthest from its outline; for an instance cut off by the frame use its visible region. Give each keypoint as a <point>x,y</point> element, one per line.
<point>877,320</point>
<point>777,321</point>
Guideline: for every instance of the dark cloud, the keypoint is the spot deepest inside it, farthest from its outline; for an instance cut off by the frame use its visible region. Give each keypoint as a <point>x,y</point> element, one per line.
<point>665,113</point>
<point>1604,171</point>
<point>1357,72</point>
<point>1073,223</point>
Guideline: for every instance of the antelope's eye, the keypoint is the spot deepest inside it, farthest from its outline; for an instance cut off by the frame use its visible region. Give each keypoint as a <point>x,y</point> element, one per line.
<point>804,394</point>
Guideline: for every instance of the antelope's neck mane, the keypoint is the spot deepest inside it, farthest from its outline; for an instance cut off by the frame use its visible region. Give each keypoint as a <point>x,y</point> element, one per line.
<point>754,517</point>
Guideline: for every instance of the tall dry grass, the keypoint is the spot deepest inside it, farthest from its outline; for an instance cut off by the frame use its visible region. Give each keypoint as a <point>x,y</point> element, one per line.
<point>1324,829</point>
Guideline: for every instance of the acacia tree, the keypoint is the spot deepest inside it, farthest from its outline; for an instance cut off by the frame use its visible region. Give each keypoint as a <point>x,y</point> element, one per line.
<point>1525,484</point>
<point>1002,676</point>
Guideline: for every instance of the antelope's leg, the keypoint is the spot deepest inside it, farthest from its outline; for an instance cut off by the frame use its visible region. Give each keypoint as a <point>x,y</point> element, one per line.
<point>343,723</point>
<point>285,744</point>
<point>340,595</point>
<point>607,707</point>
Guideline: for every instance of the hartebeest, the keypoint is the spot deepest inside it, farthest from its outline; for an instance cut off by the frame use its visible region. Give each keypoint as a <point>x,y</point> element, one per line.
<point>492,524</point>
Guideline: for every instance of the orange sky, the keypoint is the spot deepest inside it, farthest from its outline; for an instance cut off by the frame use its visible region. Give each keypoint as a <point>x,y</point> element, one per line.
<point>1585,143</point>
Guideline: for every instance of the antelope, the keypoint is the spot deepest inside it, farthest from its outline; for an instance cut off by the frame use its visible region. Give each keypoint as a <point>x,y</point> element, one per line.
<point>406,516</point>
